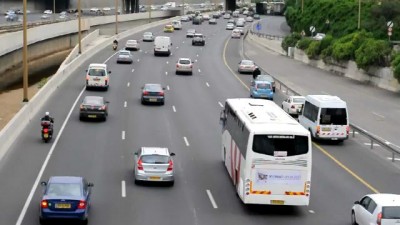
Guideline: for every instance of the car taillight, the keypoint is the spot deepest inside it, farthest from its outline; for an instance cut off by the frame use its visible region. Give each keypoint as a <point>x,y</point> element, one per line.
<point>292,107</point>
<point>347,130</point>
<point>161,93</point>
<point>45,130</point>
<point>379,218</point>
<point>139,165</point>
<point>103,107</point>
<point>106,81</point>
<point>318,129</point>
<point>44,204</point>
<point>145,92</point>
<point>191,66</point>
<point>81,107</point>
<point>170,166</point>
<point>82,204</point>
<point>87,77</point>
<point>177,65</point>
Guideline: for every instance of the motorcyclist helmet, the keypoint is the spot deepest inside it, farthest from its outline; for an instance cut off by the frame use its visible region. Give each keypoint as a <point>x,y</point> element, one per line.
<point>47,114</point>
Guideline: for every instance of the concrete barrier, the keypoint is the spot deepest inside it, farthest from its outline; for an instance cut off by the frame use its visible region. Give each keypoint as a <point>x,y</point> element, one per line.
<point>26,114</point>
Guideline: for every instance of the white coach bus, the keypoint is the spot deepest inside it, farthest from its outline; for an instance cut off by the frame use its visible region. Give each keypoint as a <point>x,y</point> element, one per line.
<point>266,152</point>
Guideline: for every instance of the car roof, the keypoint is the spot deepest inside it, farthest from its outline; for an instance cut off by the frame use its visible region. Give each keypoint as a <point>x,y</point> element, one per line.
<point>102,65</point>
<point>124,51</point>
<point>185,59</point>
<point>385,199</point>
<point>94,98</point>
<point>154,151</point>
<point>262,82</point>
<point>246,60</point>
<point>65,179</point>
<point>132,40</point>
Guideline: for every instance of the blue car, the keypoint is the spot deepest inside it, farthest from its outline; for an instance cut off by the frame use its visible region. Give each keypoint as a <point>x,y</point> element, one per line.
<point>65,197</point>
<point>261,89</point>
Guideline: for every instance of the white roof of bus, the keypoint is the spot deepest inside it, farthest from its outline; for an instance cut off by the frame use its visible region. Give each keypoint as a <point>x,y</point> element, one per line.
<point>326,101</point>
<point>257,114</point>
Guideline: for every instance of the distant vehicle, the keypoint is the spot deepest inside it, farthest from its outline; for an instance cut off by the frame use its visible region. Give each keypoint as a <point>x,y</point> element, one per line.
<point>148,36</point>
<point>206,17</point>
<point>154,164</point>
<point>184,65</point>
<point>93,107</point>
<point>216,15</point>
<point>239,23</point>
<point>65,198</point>
<point>227,16</point>
<point>10,11</point>
<point>235,14</point>
<point>230,26</point>
<point>177,24</point>
<point>153,93</point>
<point>45,16</point>
<point>265,141</point>
<point>246,12</point>
<point>124,56</point>
<point>97,76</point>
<point>236,33</point>
<point>241,29</point>
<point>190,33</point>
<point>319,36</point>
<point>249,19</point>
<point>293,104</point>
<point>326,117</point>
<point>132,45</point>
<point>162,45</point>
<point>106,9</point>
<point>261,89</point>
<point>197,20</point>
<point>212,21</point>
<point>202,5</point>
<point>168,28</point>
<point>232,21</point>
<point>185,19</point>
<point>267,77</point>
<point>382,209</point>
<point>12,17</point>
<point>48,12</point>
<point>198,39</point>
<point>256,16</point>
<point>246,66</point>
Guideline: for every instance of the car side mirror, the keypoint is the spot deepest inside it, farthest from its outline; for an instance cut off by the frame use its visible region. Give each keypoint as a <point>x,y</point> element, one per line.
<point>163,88</point>
<point>43,183</point>
<point>90,185</point>
<point>86,70</point>
<point>142,87</point>
<point>172,154</point>
<point>357,202</point>
<point>109,71</point>
<point>136,153</point>
<point>107,102</point>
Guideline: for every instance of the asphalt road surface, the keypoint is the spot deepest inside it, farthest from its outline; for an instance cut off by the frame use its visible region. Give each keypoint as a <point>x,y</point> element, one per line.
<point>188,124</point>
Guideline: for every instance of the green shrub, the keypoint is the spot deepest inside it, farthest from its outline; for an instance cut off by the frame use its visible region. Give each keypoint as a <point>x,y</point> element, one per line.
<point>326,54</point>
<point>343,51</point>
<point>290,41</point>
<point>396,66</point>
<point>42,82</point>
<point>304,43</point>
<point>313,50</point>
<point>326,42</point>
<point>372,53</point>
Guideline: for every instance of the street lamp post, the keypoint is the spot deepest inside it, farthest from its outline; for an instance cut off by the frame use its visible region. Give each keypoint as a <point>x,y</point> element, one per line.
<point>25,53</point>
<point>359,14</point>
<point>150,3</point>
<point>79,27</point>
<point>54,9</point>
<point>302,6</point>
<point>116,16</point>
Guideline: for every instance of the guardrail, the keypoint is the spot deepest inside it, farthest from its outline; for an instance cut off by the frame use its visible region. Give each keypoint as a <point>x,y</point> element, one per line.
<point>394,149</point>
<point>268,36</point>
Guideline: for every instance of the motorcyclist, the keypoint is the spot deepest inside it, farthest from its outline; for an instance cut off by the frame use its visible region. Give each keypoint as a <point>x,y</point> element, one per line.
<point>115,44</point>
<point>256,72</point>
<point>47,117</point>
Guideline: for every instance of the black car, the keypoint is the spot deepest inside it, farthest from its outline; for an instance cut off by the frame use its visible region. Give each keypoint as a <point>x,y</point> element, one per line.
<point>216,15</point>
<point>153,93</point>
<point>256,16</point>
<point>93,107</point>
<point>199,39</point>
<point>197,20</point>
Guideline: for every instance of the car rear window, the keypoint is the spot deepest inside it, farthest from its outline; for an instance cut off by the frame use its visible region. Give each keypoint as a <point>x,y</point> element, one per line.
<point>247,63</point>
<point>299,100</point>
<point>155,159</point>
<point>391,212</point>
<point>132,42</point>
<point>184,61</point>
<point>280,145</point>
<point>92,101</point>
<point>124,53</point>
<point>335,116</point>
<point>56,189</point>
<point>152,88</point>
<point>97,72</point>
<point>263,86</point>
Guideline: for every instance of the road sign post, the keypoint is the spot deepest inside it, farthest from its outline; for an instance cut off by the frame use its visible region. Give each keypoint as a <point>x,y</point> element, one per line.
<point>258,26</point>
<point>389,25</point>
<point>312,30</point>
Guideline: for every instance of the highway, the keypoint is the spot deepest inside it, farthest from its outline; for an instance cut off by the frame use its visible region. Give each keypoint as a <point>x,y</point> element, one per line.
<point>188,124</point>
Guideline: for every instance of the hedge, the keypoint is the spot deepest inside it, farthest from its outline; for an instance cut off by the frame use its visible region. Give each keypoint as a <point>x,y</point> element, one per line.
<point>372,53</point>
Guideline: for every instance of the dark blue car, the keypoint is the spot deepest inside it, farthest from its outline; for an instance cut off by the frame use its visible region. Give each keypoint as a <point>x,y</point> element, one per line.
<point>65,197</point>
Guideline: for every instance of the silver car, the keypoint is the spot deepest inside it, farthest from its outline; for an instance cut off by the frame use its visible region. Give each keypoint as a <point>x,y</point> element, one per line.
<point>246,66</point>
<point>124,56</point>
<point>132,45</point>
<point>148,36</point>
<point>154,164</point>
<point>184,65</point>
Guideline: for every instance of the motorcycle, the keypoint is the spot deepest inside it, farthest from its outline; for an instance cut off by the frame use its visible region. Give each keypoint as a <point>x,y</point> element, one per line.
<point>47,129</point>
<point>115,46</point>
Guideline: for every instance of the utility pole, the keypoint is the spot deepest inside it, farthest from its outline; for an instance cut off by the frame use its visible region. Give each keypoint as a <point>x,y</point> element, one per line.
<point>79,27</point>
<point>359,14</point>
<point>150,3</point>
<point>25,53</point>
<point>116,16</point>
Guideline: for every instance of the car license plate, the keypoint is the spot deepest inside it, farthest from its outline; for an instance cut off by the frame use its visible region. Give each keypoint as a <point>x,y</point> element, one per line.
<point>154,178</point>
<point>45,135</point>
<point>62,206</point>
<point>92,116</point>
<point>277,202</point>
<point>334,139</point>
<point>152,99</point>
<point>326,129</point>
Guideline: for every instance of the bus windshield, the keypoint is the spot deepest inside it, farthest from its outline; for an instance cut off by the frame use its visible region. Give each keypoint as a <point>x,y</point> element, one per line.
<point>280,145</point>
<point>335,116</point>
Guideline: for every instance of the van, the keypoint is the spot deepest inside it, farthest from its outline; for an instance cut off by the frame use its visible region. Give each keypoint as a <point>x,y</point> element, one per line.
<point>326,117</point>
<point>97,76</point>
<point>162,45</point>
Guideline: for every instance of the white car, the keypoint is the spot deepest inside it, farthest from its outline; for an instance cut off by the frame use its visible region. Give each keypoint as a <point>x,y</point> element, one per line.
<point>241,29</point>
<point>249,19</point>
<point>48,12</point>
<point>230,26</point>
<point>206,17</point>
<point>97,76</point>
<point>319,36</point>
<point>132,45</point>
<point>227,16</point>
<point>177,24</point>
<point>293,104</point>
<point>148,36</point>
<point>184,65</point>
<point>45,16</point>
<point>382,209</point>
<point>236,33</point>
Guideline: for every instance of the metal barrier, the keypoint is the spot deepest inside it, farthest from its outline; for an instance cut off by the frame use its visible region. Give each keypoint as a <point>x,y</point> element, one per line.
<point>394,149</point>
<point>267,36</point>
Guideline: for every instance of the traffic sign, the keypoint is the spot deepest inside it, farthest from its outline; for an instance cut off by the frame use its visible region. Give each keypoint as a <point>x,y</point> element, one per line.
<point>389,24</point>
<point>390,29</point>
<point>312,29</point>
<point>390,33</point>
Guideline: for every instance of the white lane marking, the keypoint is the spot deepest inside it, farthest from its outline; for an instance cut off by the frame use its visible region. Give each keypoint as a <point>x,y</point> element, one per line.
<point>166,73</point>
<point>167,62</point>
<point>145,52</point>
<point>186,141</point>
<point>138,60</point>
<point>378,115</point>
<point>199,71</point>
<point>177,47</point>
<point>376,145</point>
<point>172,53</point>
<point>133,70</point>
<point>324,92</point>
<point>46,161</point>
<point>123,189</point>
<point>168,87</point>
<point>208,85</point>
<point>125,104</point>
<point>110,57</point>
<point>214,204</point>
<point>311,211</point>
<point>173,108</point>
<point>197,55</point>
<point>183,42</point>
<point>220,104</point>
<point>123,135</point>
<point>195,60</point>
<point>390,158</point>
<point>128,84</point>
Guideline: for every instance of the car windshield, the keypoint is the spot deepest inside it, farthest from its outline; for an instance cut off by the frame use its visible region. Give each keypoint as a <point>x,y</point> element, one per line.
<point>98,72</point>
<point>299,100</point>
<point>191,31</point>
<point>198,35</point>
<point>124,53</point>
<point>93,101</point>
<point>148,33</point>
<point>265,77</point>
<point>280,145</point>
<point>155,159</point>
<point>247,63</point>
<point>62,189</point>
<point>152,87</point>
<point>335,116</point>
<point>391,212</point>
<point>263,86</point>
<point>184,61</point>
<point>132,42</point>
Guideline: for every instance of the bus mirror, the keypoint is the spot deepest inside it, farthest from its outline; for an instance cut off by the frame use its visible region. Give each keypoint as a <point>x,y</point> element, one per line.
<point>222,116</point>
